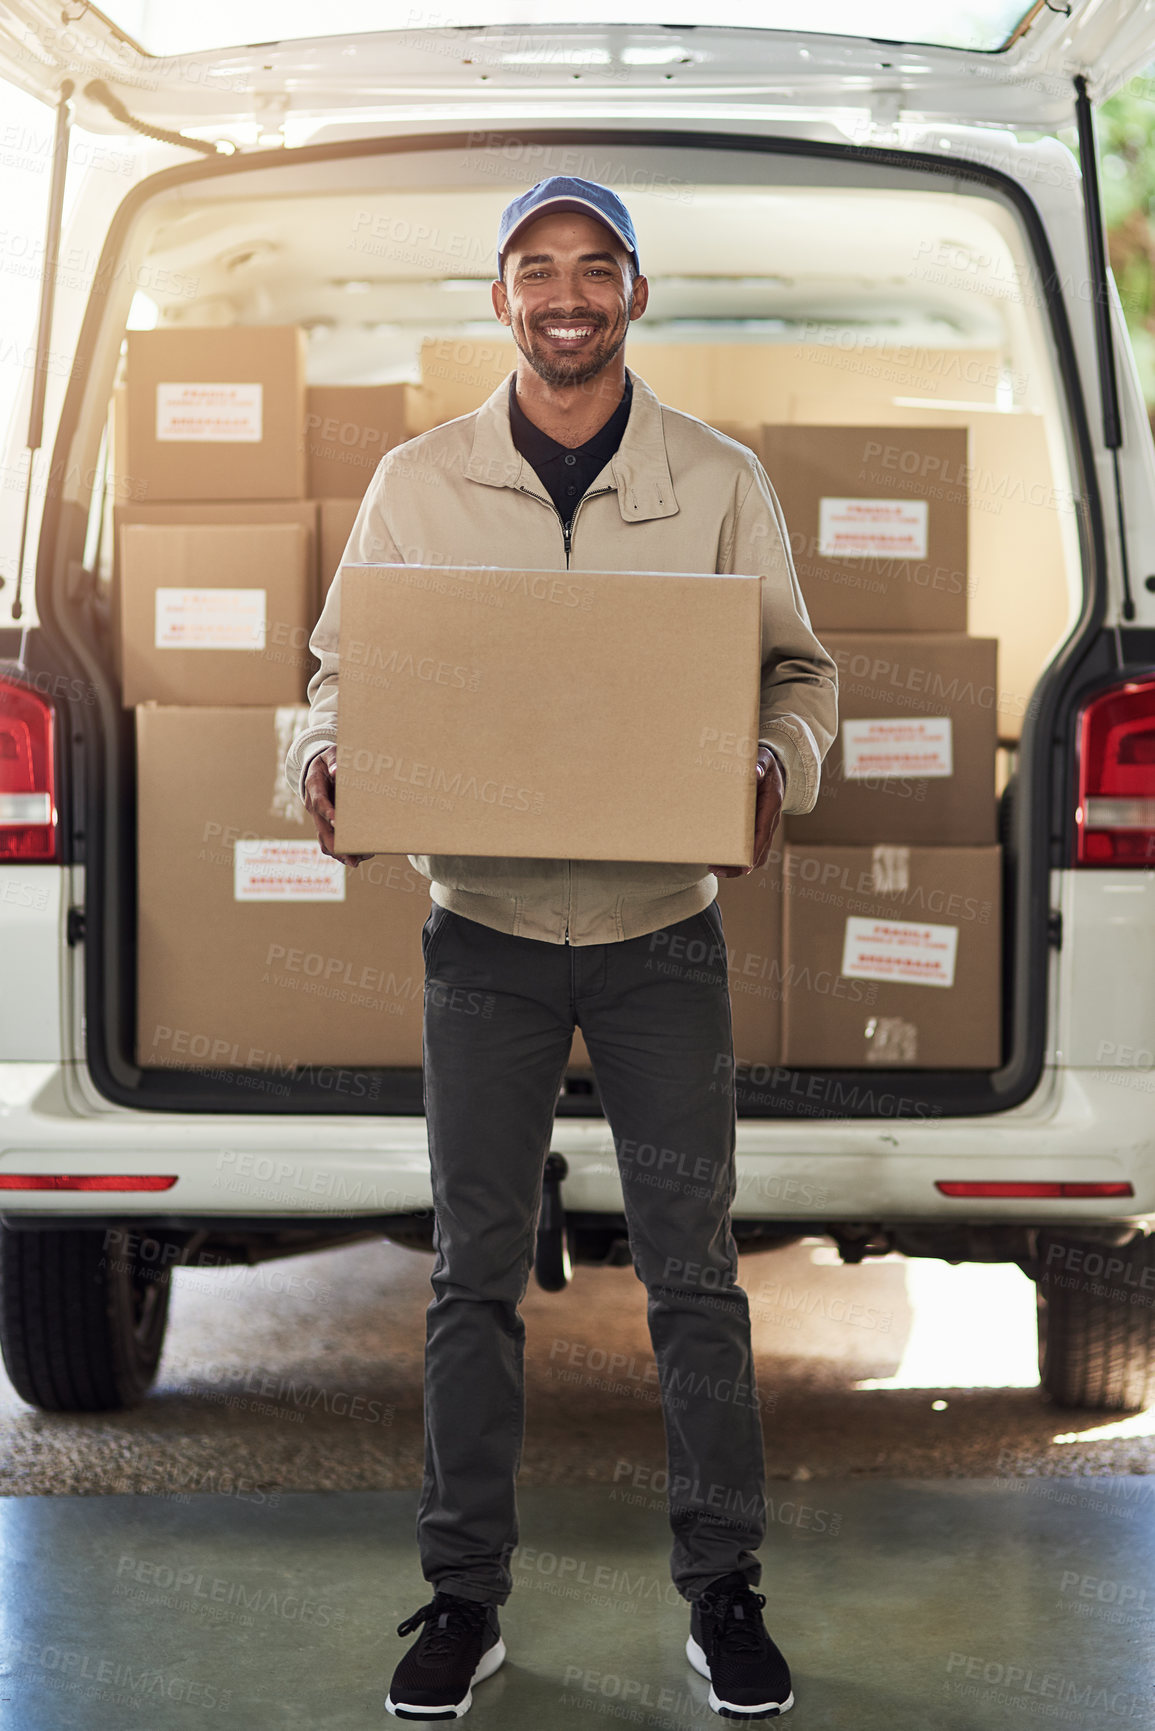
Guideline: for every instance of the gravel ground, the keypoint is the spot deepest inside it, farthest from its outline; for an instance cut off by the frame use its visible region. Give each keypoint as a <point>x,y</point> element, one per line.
<point>305,1374</point>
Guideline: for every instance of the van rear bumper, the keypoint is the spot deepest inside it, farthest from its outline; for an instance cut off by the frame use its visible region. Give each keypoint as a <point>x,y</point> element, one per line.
<point>1084,1125</point>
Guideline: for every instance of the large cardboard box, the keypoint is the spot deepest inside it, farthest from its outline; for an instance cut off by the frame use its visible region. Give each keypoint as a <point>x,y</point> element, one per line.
<point>914,758</point>
<point>337,519</point>
<point>892,957</point>
<point>549,715</point>
<point>751,909</point>
<point>214,614</point>
<point>255,951</point>
<point>877,519</point>
<point>216,413</point>
<point>348,429</point>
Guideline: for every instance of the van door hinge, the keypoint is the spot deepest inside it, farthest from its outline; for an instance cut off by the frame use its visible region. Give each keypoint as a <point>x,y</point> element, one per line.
<point>1055,929</point>
<point>75,928</point>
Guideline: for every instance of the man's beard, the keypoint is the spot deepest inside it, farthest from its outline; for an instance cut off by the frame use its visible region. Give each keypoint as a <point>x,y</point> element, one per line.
<point>572,369</point>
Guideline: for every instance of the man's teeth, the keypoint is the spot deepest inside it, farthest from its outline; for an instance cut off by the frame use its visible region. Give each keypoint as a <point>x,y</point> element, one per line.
<point>568,330</point>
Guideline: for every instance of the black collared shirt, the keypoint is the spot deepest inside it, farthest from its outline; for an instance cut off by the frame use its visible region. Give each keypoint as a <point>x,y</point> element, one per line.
<point>565,472</point>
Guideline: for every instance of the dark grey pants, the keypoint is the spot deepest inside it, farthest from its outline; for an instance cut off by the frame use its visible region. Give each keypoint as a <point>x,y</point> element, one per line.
<point>499,1018</point>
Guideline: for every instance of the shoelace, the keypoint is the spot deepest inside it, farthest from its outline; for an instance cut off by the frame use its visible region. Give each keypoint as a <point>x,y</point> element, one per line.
<point>735,1625</point>
<point>450,1613</point>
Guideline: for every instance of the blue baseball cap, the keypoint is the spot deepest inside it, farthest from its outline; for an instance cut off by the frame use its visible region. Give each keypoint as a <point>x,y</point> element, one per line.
<point>564,192</point>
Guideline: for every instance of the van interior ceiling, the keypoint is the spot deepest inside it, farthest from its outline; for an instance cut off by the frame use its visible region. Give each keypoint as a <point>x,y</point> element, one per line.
<point>782,294</point>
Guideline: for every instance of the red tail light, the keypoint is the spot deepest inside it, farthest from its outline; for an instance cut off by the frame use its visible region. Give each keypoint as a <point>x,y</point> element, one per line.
<point>91,1181</point>
<point>27,778</point>
<point>1033,1187</point>
<point>1115,820</point>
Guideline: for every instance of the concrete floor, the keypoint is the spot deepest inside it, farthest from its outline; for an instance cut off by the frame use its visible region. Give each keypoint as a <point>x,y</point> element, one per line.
<point>912,1606</point>
<point>945,1549</point>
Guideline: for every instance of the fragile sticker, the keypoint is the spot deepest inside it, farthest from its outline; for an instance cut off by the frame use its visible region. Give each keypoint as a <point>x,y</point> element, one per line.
<point>872,528</point>
<point>901,951</point>
<point>908,745</point>
<point>208,414</point>
<point>210,619</point>
<point>285,871</point>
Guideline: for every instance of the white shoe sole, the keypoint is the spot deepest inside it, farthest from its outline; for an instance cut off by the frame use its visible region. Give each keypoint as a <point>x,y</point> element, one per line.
<point>767,1709</point>
<point>490,1661</point>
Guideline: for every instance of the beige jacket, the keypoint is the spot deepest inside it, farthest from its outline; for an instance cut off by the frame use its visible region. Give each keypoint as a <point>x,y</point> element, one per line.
<point>676,496</point>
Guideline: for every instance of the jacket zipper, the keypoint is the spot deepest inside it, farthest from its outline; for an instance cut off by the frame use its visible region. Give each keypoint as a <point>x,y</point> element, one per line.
<point>567,533</point>
<point>567,542</point>
<point>566,528</point>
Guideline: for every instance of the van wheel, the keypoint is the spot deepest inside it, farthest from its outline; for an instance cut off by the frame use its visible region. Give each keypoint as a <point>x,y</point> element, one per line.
<point>1096,1320</point>
<point>81,1320</point>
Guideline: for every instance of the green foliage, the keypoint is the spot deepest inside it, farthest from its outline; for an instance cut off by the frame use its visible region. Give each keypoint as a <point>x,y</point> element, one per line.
<point>1126,132</point>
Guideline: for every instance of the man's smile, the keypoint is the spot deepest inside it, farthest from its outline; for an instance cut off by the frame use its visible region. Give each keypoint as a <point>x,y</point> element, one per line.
<point>567,335</point>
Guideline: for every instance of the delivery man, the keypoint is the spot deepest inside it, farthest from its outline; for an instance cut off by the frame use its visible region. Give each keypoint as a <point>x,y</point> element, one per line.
<point>574,463</point>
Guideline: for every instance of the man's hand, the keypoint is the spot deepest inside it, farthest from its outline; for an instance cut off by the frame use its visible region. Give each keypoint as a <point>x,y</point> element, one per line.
<point>320,794</point>
<point>767,811</point>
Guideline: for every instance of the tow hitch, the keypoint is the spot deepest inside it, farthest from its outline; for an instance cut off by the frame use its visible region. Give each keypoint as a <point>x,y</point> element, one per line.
<point>551,1263</point>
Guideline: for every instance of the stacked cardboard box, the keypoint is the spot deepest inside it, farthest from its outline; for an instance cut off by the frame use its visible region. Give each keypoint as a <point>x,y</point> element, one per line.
<point>214,613</point>
<point>255,951</point>
<point>915,753</point>
<point>216,414</point>
<point>905,822</point>
<point>892,957</point>
<point>215,560</point>
<point>878,523</point>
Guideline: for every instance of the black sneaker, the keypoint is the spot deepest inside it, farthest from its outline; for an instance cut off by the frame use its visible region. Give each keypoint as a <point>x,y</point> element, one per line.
<point>460,1644</point>
<point>749,1678</point>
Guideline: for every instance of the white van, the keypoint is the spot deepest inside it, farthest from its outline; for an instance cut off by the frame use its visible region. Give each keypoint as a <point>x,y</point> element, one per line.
<point>858,215</point>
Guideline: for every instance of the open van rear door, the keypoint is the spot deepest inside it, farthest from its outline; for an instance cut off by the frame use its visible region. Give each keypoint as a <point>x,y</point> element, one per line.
<point>256,71</point>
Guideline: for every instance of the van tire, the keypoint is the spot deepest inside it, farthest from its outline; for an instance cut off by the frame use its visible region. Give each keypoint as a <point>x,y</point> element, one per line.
<point>1096,1346</point>
<point>81,1324</point>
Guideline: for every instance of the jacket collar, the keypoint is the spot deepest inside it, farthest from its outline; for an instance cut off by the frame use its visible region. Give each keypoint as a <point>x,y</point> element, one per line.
<point>639,468</point>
